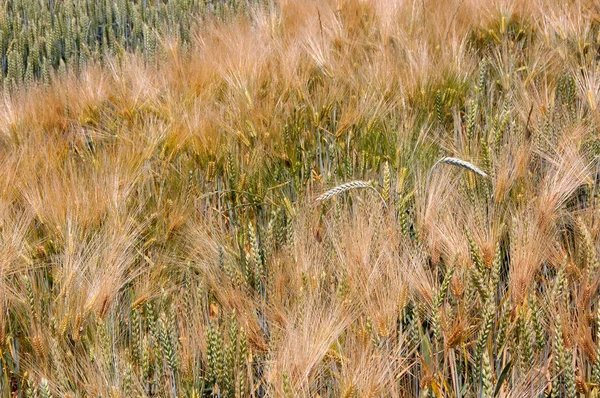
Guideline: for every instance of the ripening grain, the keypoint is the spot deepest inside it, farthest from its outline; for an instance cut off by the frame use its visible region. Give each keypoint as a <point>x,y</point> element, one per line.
<point>355,198</point>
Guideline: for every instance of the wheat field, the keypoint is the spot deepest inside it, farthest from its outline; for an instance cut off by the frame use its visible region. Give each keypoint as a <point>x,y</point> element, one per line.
<point>299,198</point>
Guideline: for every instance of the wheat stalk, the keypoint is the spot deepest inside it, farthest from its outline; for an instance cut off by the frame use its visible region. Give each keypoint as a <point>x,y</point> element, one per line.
<point>347,187</point>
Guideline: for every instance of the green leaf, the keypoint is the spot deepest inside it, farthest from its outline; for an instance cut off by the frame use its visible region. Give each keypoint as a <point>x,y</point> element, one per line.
<point>503,375</point>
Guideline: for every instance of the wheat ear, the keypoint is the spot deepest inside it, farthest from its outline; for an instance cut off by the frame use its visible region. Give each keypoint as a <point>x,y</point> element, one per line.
<point>347,187</point>
<point>456,162</point>
<point>462,163</point>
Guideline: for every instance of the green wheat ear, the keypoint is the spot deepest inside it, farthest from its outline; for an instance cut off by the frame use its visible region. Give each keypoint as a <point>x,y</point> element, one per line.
<point>45,389</point>
<point>387,183</point>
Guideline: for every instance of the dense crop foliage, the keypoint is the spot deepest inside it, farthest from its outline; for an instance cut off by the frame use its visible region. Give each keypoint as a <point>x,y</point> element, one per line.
<point>334,199</point>
<point>39,38</point>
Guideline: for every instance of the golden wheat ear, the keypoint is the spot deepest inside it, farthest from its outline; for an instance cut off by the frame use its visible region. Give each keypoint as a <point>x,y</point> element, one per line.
<point>347,187</point>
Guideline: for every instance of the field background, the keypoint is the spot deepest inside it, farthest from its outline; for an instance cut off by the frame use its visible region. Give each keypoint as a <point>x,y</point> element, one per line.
<point>174,220</point>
